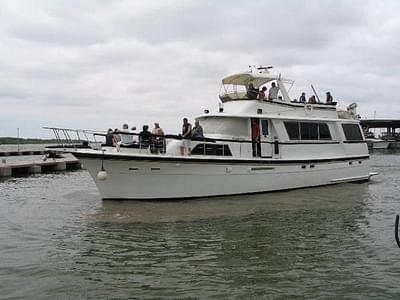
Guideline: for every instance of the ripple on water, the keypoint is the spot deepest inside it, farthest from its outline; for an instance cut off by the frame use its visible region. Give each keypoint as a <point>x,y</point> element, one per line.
<point>58,239</point>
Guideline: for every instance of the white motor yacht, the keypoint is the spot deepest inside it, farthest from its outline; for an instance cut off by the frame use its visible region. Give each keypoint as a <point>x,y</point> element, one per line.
<point>250,145</point>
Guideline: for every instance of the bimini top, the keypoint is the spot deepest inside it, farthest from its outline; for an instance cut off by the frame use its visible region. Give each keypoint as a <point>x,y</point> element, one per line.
<point>256,78</point>
<point>235,87</point>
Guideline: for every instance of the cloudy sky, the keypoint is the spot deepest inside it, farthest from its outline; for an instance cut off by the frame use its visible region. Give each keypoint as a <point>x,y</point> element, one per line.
<point>97,64</point>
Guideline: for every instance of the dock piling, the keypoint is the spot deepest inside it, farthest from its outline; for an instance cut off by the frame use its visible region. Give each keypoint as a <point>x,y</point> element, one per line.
<point>60,166</point>
<point>35,169</point>
<point>5,171</point>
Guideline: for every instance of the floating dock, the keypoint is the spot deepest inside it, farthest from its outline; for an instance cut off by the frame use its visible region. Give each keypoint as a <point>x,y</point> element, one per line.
<point>39,166</point>
<point>19,153</point>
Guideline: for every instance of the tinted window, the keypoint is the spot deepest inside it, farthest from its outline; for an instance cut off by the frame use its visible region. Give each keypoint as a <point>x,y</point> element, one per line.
<point>292,129</point>
<point>211,149</point>
<point>309,131</point>
<point>264,126</point>
<point>352,132</point>
<point>324,133</point>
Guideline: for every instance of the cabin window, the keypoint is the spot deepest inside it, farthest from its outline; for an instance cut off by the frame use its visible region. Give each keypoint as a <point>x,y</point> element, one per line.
<point>264,127</point>
<point>307,130</point>
<point>292,129</point>
<point>352,132</point>
<point>323,130</point>
<point>211,149</point>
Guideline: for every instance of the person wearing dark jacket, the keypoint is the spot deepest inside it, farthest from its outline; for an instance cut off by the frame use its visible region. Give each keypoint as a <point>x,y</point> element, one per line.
<point>197,130</point>
<point>145,137</point>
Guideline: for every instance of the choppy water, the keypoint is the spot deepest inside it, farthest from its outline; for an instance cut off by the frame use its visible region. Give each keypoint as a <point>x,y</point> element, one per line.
<point>59,240</point>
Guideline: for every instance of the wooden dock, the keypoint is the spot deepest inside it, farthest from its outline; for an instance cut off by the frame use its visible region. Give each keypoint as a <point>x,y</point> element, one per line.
<point>20,153</point>
<point>38,166</point>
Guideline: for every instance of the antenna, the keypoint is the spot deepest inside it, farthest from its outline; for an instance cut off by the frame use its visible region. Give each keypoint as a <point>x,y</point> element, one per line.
<point>315,93</point>
<point>264,68</point>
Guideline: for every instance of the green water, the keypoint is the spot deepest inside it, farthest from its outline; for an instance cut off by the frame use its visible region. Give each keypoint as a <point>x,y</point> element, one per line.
<point>59,240</point>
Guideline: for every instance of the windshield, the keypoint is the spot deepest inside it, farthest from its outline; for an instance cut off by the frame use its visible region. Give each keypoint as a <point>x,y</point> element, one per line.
<point>225,126</point>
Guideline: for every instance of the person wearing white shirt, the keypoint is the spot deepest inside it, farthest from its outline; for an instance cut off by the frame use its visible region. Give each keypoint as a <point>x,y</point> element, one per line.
<point>273,91</point>
<point>126,139</point>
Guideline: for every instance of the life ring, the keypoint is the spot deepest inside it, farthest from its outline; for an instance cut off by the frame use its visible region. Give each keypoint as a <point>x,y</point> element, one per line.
<point>308,108</point>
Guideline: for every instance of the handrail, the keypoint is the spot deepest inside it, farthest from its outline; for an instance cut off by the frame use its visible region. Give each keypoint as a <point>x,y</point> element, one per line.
<point>68,138</point>
<point>166,136</point>
<point>74,129</point>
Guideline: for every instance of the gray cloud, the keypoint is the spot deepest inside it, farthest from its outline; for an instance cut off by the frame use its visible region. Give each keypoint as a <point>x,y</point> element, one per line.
<point>97,64</point>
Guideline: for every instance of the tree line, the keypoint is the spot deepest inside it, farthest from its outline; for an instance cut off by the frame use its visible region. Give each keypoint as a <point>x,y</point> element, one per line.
<point>13,140</point>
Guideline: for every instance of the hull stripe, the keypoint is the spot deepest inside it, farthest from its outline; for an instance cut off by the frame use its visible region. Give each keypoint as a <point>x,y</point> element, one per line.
<point>192,159</point>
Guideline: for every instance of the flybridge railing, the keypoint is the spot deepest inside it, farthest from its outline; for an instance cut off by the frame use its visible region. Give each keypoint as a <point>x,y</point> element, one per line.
<point>75,138</point>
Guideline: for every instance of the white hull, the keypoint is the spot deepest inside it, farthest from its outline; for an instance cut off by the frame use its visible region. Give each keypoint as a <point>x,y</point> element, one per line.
<point>378,144</point>
<point>144,179</point>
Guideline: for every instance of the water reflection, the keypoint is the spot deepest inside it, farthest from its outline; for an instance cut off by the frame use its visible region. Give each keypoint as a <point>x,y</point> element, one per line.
<point>322,198</point>
<point>235,246</point>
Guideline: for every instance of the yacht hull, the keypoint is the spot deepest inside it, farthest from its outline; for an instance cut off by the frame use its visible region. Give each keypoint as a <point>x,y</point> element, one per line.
<point>377,144</point>
<point>151,178</point>
<point>380,145</point>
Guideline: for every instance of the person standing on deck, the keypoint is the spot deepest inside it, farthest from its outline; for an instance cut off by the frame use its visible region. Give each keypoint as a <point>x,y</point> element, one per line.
<point>255,137</point>
<point>302,98</point>
<point>329,98</point>
<point>186,134</point>
<point>109,137</point>
<point>145,137</point>
<point>197,131</point>
<point>261,93</point>
<point>126,137</point>
<point>273,92</point>
<point>158,138</point>
<point>252,92</point>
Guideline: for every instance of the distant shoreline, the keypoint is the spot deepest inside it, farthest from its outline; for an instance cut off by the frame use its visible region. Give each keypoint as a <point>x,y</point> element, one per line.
<point>13,141</point>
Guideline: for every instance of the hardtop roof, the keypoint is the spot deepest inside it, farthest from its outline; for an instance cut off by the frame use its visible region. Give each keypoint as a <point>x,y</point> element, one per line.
<point>257,79</point>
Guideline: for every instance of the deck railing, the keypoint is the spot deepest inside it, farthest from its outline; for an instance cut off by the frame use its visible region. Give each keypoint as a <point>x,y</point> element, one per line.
<point>68,139</point>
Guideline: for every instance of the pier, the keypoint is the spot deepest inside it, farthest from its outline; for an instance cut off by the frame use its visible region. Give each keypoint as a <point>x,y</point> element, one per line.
<point>20,153</point>
<point>39,166</point>
<point>391,125</point>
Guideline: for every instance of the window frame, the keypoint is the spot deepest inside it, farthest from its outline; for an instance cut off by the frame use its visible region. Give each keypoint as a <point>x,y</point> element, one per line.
<point>294,130</point>
<point>211,149</point>
<point>349,136</point>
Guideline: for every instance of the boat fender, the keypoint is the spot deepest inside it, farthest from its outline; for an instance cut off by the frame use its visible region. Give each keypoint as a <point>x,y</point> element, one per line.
<point>102,175</point>
<point>308,108</point>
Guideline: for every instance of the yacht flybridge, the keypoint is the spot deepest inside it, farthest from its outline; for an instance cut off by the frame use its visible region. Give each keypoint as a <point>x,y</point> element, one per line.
<point>251,144</point>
